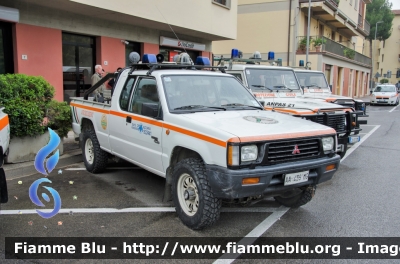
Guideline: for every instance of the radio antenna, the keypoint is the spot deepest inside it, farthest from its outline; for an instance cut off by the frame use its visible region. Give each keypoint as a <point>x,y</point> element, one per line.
<point>170,27</point>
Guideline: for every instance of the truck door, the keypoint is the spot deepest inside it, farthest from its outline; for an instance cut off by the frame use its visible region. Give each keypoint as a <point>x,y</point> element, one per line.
<point>141,133</point>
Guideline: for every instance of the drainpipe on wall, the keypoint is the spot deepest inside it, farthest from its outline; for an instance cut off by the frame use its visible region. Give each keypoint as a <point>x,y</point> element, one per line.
<point>288,42</point>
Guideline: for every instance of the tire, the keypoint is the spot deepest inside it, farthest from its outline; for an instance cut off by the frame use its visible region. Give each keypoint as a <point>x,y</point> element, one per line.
<point>94,157</point>
<point>193,198</point>
<point>300,199</point>
<point>341,154</point>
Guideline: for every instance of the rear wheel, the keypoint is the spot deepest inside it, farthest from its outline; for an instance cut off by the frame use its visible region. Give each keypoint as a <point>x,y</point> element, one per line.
<point>299,198</point>
<point>194,201</point>
<point>94,157</point>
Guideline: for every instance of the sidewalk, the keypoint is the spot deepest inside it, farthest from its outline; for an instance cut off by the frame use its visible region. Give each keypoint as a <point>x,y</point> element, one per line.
<point>72,154</point>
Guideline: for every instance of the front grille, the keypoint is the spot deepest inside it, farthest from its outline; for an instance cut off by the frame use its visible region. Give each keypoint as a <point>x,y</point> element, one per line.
<point>280,152</point>
<point>382,97</point>
<point>337,122</point>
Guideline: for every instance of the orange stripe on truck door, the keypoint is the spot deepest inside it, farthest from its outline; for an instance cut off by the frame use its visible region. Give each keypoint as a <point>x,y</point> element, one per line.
<point>171,127</point>
<point>4,122</point>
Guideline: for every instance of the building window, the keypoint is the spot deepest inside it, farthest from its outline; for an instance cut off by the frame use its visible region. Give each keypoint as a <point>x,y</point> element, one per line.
<point>383,56</point>
<point>384,44</point>
<point>351,2</point>
<point>224,3</point>
<point>356,4</point>
<point>340,38</point>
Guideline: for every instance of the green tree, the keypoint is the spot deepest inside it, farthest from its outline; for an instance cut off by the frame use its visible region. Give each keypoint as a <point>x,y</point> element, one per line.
<point>379,10</point>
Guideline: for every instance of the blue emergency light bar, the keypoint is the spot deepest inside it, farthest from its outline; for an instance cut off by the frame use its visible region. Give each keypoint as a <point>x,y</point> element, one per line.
<point>149,58</point>
<point>202,61</point>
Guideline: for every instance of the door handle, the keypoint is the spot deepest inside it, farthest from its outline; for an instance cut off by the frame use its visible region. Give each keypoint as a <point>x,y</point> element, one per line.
<point>128,119</point>
<point>155,140</point>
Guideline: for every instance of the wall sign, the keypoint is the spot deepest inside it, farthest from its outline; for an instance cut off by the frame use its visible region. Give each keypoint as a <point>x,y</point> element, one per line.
<point>181,44</point>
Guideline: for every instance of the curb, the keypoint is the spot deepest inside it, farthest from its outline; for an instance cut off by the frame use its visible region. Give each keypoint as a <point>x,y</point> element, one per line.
<point>18,170</point>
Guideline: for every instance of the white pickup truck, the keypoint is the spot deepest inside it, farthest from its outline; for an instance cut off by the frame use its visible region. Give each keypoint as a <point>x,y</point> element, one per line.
<point>208,136</point>
<point>4,143</point>
<point>315,86</point>
<point>278,89</point>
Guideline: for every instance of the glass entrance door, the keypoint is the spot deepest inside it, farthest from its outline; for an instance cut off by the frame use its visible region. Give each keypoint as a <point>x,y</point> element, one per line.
<point>78,64</point>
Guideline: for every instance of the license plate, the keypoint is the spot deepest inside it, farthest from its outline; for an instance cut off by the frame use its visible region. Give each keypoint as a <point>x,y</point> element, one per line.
<point>382,100</point>
<point>354,139</point>
<point>297,177</point>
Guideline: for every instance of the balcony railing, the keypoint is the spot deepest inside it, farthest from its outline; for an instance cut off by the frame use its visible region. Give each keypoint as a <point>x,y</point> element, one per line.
<point>330,46</point>
<point>363,24</point>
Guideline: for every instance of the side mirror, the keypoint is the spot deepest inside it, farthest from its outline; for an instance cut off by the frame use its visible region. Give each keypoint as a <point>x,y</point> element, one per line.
<point>330,87</point>
<point>150,110</point>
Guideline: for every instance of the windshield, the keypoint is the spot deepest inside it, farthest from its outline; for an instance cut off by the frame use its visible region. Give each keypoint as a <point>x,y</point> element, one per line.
<point>271,79</point>
<point>381,89</point>
<point>206,93</point>
<point>312,80</point>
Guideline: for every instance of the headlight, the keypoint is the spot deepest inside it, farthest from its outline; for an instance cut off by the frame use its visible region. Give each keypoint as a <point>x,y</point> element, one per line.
<point>395,95</point>
<point>327,143</point>
<point>249,153</point>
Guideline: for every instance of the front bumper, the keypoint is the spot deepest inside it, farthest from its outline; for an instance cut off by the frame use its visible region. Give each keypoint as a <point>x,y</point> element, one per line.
<point>390,101</point>
<point>227,184</point>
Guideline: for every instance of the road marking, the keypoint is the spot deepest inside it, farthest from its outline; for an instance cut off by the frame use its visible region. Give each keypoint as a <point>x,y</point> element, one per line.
<point>109,168</point>
<point>393,109</point>
<point>138,210</point>
<point>251,237</point>
<point>355,146</point>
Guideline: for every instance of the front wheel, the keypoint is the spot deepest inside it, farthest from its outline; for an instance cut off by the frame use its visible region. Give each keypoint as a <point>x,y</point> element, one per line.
<point>94,157</point>
<point>193,198</point>
<point>299,198</point>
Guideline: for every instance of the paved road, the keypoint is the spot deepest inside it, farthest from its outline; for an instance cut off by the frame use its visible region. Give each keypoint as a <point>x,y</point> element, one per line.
<point>361,200</point>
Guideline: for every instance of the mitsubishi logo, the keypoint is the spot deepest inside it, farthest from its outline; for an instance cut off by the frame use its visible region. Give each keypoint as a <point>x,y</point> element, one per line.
<point>296,150</point>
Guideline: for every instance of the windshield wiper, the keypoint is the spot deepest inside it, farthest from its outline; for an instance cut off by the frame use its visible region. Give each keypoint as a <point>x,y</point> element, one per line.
<point>242,105</point>
<point>262,86</point>
<point>282,86</point>
<point>186,107</point>
<point>314,85</point>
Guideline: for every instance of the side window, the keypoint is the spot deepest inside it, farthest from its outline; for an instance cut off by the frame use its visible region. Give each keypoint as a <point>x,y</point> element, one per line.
<point>125,94</point>
<point>145,100</point>
<point>238,76</point>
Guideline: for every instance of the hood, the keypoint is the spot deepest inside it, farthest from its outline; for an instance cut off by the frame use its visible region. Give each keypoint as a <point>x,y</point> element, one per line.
<point>261,125</point>
<point>300,104</point>
<point>329,97</point>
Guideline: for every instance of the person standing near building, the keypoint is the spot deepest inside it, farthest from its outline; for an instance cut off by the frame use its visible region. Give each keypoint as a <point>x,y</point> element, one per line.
<point>96,77</point>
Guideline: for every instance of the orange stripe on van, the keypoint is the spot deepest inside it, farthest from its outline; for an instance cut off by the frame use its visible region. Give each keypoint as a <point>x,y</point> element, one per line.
<point>91,108</point>
<point>4,122</point>
<point>283,136</point>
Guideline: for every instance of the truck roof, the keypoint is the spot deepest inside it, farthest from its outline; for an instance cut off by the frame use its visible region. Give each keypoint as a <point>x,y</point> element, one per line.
<point>244,66</point>
<point>305,70</point>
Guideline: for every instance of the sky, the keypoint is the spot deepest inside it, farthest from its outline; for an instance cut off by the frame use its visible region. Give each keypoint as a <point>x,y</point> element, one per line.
<point>396,4</point>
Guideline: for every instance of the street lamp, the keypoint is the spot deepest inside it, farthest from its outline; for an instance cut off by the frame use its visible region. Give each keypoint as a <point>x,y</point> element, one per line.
<point>376,29</point>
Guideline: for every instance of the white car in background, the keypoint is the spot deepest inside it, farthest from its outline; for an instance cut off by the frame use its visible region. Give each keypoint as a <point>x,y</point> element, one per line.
<point>385,94</point>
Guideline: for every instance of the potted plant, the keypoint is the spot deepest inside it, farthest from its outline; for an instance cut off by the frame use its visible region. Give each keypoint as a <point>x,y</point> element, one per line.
<point>318,41</point>
<point>349,53</point>
<point>303,43</point>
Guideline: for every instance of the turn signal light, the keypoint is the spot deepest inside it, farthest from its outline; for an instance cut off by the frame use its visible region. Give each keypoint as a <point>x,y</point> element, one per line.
<point>250,181</point>
<point>330,167</point>
<point>353,123</point>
